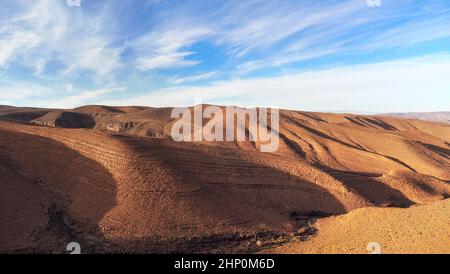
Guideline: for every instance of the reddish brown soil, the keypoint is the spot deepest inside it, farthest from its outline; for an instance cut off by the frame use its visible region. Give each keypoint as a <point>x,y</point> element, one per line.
<point>112,179</point>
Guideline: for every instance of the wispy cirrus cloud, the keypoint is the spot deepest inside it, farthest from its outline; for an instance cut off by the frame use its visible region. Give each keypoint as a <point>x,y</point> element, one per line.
<point>253,25</point>
<point>46,31</point>
<point>293,32</point>
<point>15,43</point>
<point>429,27</point>
<point>197,77</point>
<point>166,47</point>
<point>350,27</point>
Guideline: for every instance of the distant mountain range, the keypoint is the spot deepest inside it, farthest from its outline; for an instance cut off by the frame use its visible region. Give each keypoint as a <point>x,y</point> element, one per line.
<point>443,116</point>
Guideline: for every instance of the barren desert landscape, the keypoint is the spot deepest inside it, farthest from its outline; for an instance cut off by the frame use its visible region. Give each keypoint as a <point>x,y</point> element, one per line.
<point>113,180</point>
<point>218,135</point>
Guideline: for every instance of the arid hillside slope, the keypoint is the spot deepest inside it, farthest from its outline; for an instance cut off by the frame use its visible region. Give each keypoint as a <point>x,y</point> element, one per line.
<point>416,230</point>
<point>112,179</point>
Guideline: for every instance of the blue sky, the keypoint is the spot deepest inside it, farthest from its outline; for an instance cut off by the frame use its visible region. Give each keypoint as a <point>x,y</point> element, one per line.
<point>309,55</point>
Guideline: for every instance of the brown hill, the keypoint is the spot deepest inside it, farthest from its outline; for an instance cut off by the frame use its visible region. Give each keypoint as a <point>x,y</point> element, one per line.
<point>65,119</point>
<point>112,179</point>
<point>416,230</point>
<point>21,114</point>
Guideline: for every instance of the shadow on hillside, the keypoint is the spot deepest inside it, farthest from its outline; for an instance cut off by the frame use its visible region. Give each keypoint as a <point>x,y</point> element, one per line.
<point>81,190</point>
<point>227,185</point>
<point>372,190</point>
<point>74,120</point>
<point>444,152</point>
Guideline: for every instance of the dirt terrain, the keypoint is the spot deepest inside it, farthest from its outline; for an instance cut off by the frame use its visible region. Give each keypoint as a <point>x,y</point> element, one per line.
<point>112,179</point>
<point>415,230</point>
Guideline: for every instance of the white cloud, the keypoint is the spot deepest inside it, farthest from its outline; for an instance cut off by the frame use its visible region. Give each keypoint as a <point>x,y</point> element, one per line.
<point>39,32</point>
<point>164,61</point>
<point>432,27</point>
<point>14,43</point>
<point>254,25</point>
<point>204,76</point>
<point>283,59</point>
<point>46,30</point>
<point>15,93</point>
<point>11,93</point>
<point>304,32</point>
<point>164,47</point>
<point>241,27</point>
<point>419,84</point>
